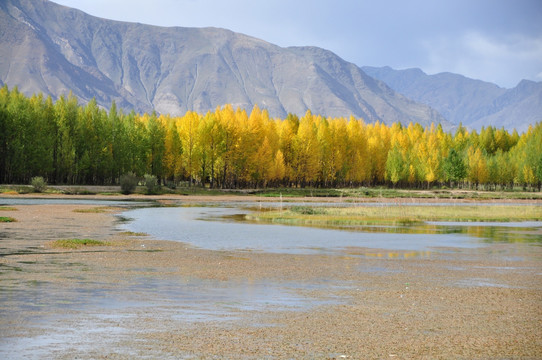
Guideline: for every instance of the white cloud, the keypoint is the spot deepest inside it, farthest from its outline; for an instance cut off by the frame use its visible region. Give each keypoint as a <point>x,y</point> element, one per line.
<point>503,61</point>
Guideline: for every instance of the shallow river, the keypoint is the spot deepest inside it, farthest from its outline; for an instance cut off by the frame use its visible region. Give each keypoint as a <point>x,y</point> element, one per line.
<point>90,316</point>
<point>221,228</point>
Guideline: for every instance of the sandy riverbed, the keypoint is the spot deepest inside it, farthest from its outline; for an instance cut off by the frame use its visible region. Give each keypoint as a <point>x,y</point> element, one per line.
<point>139,298</point>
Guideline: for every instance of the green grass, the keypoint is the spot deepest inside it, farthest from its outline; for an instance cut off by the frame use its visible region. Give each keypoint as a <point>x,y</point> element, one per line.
<point>78,243</point>
<point>78,191</point>
<point>7,219</point>
<point>14,190</point>
<point>396,215</point>
<point>8,208</point>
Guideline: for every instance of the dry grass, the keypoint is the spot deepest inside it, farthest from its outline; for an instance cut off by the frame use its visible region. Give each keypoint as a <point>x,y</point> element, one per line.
<point>132,233</point>
<point>367,215</point>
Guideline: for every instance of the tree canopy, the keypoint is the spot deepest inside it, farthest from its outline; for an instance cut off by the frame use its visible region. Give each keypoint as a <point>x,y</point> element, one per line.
<point>69,143</point>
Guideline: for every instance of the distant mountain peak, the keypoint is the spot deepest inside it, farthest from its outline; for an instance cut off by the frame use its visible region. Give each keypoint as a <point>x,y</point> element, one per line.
<point>54,49</point>
<point>474,103</point>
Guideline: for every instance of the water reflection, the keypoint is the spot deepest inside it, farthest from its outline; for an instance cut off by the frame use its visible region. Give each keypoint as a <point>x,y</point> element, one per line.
<point>220,228</point>
<point>388,254</point>
<point>528,232</point>
<point>491,232</point>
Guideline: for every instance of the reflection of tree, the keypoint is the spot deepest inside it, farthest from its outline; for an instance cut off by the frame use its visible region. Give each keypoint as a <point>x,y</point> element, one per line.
<point>501,234</point>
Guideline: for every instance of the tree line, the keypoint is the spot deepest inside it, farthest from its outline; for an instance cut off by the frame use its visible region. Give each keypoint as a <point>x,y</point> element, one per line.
<point>69,143</point>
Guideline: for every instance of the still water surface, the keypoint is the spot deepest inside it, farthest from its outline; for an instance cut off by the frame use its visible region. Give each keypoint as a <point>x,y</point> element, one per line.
<point>215,228</point>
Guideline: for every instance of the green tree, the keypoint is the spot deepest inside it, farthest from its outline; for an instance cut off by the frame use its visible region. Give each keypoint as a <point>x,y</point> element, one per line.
<point>454,167</point>
<point>173,152</point>
<point>396,166</point>
<point>155,146</point>
<point>66,113</point>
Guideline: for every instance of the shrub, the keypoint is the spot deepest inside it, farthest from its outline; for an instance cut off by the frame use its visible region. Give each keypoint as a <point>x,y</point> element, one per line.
<point>128,183</point>
<point>151,183</point>
<point>38,183</point>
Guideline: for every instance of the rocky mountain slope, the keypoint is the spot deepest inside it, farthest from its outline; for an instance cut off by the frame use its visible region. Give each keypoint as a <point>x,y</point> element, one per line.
<point>472,102</point>
<point>53,49</point>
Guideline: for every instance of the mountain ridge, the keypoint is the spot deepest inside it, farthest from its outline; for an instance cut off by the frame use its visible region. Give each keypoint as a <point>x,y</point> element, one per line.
<point>54,49</point>
<point>474,103</point>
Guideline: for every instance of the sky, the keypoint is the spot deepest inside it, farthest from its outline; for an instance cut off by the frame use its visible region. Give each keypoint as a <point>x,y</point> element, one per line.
<point>499,41</point>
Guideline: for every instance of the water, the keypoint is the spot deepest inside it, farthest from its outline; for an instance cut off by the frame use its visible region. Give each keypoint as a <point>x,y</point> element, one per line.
<point>75,319</point>
<point>54,319</point>
<point>215,228</point>
<point>187,299</point>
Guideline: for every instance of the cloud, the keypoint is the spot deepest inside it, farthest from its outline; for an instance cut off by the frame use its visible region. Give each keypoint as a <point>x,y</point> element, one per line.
<point>504,60</point>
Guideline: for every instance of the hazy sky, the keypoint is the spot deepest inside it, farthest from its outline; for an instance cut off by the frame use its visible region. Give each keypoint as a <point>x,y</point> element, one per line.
<point>492,40</point>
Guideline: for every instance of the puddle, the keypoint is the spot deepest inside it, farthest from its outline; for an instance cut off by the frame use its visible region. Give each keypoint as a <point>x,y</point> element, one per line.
<point>186,299</point>
<point>74,319</point>
<point>77,338</point>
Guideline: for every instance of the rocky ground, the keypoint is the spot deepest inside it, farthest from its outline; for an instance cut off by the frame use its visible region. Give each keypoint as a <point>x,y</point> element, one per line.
<point>140,298</point>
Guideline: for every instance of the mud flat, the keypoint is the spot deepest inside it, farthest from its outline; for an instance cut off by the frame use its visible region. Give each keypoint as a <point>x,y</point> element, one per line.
<point>143,298</point>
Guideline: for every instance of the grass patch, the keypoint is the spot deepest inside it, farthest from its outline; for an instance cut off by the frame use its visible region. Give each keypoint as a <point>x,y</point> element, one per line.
<point>16,190</point>
<point>131,233</point>
<point>78,191</point>
<point>8,208</point>
<point>397,215</point>
<point>78,243</point>
<point>8,192</point>
<point>95,210</point>
<point>7,219</point>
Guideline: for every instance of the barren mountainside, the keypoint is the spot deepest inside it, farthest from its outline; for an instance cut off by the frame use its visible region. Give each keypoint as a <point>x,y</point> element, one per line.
<point>53,49</point>
<point>472,102</point>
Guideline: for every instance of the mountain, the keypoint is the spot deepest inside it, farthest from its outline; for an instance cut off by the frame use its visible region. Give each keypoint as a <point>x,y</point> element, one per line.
<point>472,102</point>
<point>53,49</point>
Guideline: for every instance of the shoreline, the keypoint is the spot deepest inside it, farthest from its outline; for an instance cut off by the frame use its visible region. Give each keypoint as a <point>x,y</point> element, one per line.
<point>141,297</point>
<point>256,198</point>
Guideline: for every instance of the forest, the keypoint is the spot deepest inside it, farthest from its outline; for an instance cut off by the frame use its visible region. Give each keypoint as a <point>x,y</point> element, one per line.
<point>68,143</point>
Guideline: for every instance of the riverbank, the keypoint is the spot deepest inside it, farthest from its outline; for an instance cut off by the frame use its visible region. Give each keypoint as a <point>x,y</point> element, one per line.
<point>398,214</point>
<point>138,297</point>
<point>362,194</point>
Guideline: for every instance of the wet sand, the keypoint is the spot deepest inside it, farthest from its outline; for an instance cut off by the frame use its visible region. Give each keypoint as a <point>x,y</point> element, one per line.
<point>141,298</point>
